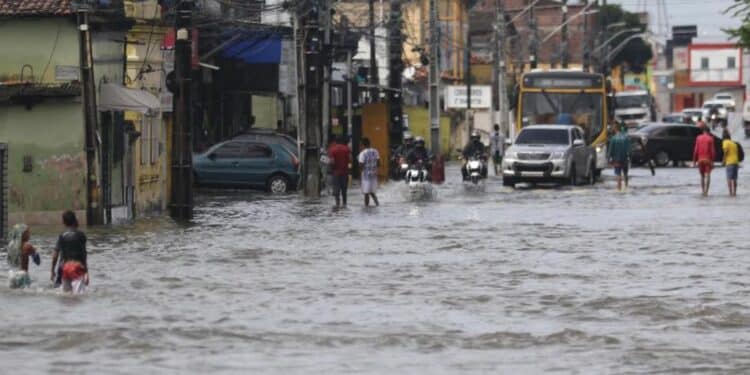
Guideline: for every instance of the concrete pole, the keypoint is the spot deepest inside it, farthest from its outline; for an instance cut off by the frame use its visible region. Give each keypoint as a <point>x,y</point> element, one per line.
<point>374,77</point>
<point>502,91</point>
<point>564,36</point>
<point>326,19</point>
<point>349,77</point>
<point>434,79</point>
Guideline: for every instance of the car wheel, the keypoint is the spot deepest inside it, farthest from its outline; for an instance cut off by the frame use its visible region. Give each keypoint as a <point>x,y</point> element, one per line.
<point>592,175</point>
<point>278,184</point>
<point>661,158</point>
<point>573,179</point>
<point>509,182</point>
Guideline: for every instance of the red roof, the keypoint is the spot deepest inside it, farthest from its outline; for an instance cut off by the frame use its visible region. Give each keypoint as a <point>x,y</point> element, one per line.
<point>35,8</point>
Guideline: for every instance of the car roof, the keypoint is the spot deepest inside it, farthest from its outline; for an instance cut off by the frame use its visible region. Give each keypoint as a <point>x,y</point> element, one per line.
<point>691,109</point>
<point>631,93</point>
<point>712,102</point>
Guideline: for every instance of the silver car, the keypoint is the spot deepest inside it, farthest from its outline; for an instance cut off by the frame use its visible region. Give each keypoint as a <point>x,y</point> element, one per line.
<point>549,153</point>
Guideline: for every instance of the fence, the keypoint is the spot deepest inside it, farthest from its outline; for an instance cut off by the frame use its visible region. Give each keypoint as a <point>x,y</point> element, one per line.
<point>3,193</point>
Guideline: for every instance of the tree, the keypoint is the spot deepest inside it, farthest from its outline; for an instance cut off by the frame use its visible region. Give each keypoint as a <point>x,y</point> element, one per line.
<point>741,10</point>
<point>637,53</point>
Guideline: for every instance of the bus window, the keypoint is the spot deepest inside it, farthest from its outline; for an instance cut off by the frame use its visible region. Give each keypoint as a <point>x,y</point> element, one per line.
<point>546,107</point>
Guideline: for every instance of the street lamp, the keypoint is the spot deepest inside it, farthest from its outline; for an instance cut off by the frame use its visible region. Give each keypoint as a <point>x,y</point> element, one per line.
<point>606,42</point>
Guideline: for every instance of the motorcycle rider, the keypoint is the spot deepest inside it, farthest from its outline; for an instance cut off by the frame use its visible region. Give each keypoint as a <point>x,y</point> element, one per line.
<point>475,147</point>
<point>419,153</point>
<point>401,151</point>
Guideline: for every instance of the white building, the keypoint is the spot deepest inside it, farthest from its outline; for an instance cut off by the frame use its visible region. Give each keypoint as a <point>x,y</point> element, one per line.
<point>715,64</point>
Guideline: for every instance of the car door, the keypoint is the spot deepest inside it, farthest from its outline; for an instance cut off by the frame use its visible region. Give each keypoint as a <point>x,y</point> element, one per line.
<point>222,166</point>
<point>257,163</point>
<point>579,153</point>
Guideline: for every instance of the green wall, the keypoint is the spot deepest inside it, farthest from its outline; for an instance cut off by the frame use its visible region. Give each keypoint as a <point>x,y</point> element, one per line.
<point>32,41</point>
<point>52,135</point>
<point>419,125</point>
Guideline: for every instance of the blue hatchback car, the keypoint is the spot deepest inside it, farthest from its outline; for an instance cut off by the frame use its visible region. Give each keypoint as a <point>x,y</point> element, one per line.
<point>272,166</point>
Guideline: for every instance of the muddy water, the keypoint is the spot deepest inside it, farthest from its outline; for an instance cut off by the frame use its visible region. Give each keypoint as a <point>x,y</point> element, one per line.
<point>567,280</point>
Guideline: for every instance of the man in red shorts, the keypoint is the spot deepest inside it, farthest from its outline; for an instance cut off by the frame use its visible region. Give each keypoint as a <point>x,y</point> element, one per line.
<point>703,157</point>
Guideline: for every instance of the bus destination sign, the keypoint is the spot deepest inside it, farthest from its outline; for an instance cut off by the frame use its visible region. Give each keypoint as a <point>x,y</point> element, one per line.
<point>563,82</point>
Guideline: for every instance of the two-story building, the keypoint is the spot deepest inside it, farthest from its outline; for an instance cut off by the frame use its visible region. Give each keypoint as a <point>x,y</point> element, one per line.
<point>705,69</point>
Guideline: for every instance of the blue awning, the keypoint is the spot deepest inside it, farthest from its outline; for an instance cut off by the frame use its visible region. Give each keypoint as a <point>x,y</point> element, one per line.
<point>256,49</point>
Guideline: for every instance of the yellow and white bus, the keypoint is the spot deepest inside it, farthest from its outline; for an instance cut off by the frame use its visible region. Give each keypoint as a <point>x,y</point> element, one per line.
<point>566,97</point>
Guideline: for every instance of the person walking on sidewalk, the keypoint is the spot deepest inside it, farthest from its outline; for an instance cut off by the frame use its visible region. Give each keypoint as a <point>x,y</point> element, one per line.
<point>619,155</point>
<point>369,160</point>
<point>340,156</point>
<point>497,148</point>
<point>731,161</point>
<point>704,154</point>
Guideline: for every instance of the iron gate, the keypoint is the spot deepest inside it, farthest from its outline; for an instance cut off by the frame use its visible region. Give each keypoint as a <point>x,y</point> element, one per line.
<point>3,193</point>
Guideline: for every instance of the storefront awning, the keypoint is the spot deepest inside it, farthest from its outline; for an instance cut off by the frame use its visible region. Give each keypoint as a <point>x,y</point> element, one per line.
<point>114,97</point>
<point>256,49</point>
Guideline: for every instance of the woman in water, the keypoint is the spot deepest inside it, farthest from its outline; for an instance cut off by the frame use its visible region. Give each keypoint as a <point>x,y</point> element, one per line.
<point>19,251</point>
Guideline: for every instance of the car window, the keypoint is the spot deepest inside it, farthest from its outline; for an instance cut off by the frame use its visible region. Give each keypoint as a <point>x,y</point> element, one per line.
<point>677,131</point>
<point>229,150</point>
<point>543,137</point>
<point>694,132</point>
<point>257,151</point>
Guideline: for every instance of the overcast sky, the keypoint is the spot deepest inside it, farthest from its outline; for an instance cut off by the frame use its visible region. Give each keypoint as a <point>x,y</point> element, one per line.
<point>706,14</point>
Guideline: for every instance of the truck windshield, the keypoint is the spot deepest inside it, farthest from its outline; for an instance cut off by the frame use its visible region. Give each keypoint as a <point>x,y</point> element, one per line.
<point>582,109</point>
<point>631,101</point>
<point>531,136</point>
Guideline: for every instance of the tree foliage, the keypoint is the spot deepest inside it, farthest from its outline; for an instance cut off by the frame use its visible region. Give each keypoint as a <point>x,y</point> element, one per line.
<point>637,52</point>
<point>740,9</point>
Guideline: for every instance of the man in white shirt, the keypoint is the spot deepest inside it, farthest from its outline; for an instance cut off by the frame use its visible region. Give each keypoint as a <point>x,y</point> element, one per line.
<point>497,148</point>
<point>369,159</point>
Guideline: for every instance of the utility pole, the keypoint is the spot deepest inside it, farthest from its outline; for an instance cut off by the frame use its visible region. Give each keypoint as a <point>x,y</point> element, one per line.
<point>605,31</point>
<point>181,205</point>
<point>467,71</point>
<point>313,51</point>
<point>564,35</point>
<point>434,79</point>
<point>374,79</point>
<point>499,65</point>
<point>586,46</point>
<point>94,201</point>
<point>326,19</point>
<point>396,69</point>
<point>349,78</point>
<point>533,42</point>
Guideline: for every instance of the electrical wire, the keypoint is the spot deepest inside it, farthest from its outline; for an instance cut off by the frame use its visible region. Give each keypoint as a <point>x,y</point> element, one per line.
<point>52,53</point>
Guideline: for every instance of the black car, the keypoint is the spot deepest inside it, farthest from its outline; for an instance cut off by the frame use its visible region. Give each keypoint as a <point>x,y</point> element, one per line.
<point>666,143</point>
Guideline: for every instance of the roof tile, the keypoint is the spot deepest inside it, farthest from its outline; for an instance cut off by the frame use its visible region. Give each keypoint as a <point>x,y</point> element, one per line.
<point>35,8</point>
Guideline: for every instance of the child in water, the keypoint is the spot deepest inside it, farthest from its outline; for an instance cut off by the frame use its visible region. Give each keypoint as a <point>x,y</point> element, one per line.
<point>19,252</point>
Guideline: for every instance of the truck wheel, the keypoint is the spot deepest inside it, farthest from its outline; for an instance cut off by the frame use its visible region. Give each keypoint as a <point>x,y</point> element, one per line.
<point>573,179</point>
<point>509,182</point>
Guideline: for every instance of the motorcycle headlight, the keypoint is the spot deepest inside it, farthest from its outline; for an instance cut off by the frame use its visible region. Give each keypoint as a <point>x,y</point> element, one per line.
<point>404,166</point>
<point>557,155</point>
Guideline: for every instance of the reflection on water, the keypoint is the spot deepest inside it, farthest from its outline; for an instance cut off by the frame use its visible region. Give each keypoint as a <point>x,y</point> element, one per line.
<point>509,281</point>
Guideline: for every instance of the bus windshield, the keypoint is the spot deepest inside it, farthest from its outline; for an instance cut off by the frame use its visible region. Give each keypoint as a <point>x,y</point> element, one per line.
<point>582,109</point>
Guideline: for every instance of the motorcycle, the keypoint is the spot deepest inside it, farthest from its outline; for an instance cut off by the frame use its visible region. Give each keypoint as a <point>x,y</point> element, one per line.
<point>475,169</point>
<point>418,183</point>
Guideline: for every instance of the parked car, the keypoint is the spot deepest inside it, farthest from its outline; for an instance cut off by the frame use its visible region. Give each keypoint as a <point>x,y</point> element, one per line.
<point>674,118</point>
<point>667,143</point>
<point>242,162</point>
<point>692,115</point>
<point>746,118</point>
<point>549,153</point>
<point>726,99</point>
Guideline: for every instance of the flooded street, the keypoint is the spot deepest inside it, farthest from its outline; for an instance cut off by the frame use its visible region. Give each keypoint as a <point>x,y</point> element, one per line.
<point>567,280</point>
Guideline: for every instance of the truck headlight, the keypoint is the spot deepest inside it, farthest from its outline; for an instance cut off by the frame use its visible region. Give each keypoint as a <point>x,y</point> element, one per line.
<point>599,148</point>
<point>557,155</point>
